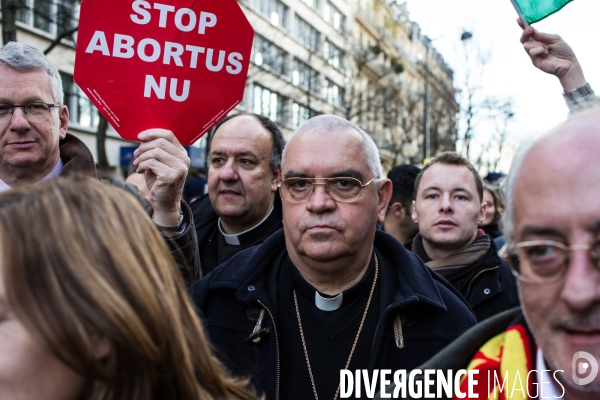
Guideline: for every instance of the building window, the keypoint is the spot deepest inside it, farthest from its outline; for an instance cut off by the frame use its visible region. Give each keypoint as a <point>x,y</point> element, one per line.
<point>300,115</point>
<point>332,93</point>
<point>305,77</point>
<point>275,11</point>
<point>269,104</point>
<point>268,55</point>
<point>307,34</point>
<point>334,55</point>
<point>81,110</point>
<point>334,17</point>
<point>312,3</point>
<point>52,16</point>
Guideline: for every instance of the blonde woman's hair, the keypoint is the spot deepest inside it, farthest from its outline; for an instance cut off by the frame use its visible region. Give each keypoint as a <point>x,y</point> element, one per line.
<point>83,263</point>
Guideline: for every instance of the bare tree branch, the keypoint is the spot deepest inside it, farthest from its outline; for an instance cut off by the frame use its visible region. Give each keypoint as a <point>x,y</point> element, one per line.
<point>60,37</point>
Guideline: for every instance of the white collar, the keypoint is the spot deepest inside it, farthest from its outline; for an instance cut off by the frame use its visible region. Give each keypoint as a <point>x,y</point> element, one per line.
<point>328,303</point>
<point>234,239</point>
<point>52,174</point>
<point>546,382</point>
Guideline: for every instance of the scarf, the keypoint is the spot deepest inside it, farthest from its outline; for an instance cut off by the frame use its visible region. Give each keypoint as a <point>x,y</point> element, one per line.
<point>503,363</point>
<point>457,267</point>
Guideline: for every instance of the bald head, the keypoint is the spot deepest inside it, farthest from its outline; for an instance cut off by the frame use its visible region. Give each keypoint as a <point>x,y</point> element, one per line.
<point>326,124</point>
<point>571,149</point>
<point>553,194</point>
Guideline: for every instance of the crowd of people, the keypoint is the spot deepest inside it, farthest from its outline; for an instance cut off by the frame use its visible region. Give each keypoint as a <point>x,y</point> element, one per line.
<point>300,260</point>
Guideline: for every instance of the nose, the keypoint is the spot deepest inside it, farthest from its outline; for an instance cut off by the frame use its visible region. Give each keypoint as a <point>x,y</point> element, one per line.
<point>229,171</point>
<point>19,121</point>
<point>445,203</point>
<point>320,201</point>
<point>581,286</point>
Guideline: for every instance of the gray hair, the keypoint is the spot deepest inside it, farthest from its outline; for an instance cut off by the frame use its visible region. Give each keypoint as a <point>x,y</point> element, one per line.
<point>328,123</point>
<point>24,58</point>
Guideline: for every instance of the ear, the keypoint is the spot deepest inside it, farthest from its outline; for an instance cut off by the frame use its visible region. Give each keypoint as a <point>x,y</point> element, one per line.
<point>275,179</point>
<point>384,192</point>
<point>414,212</point>
<point>481,216</point>
<point>398,210</point>
<point>63,116</point>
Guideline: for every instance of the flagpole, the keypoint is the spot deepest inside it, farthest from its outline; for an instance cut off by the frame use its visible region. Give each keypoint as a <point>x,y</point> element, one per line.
<point>518,9</point>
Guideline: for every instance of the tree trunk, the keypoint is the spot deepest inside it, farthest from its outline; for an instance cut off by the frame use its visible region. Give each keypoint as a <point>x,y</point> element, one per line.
<point>9,17</point>
<point>101,143</point>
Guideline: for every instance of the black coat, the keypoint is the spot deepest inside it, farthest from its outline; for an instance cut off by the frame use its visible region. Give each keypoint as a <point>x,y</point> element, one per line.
<point>459,353</point>
<point>493,289</point>
<point>207,231</point>
<point>432,311</point>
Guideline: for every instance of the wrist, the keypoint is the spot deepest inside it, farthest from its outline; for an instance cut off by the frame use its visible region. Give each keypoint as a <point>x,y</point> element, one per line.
<point>578,94</point>
<point>166,218</point>
<point>572,79</point>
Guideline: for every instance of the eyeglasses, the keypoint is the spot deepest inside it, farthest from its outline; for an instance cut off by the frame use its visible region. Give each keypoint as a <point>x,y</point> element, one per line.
<point>345,190</point>
<point>35,112</point>
<point>542,262</point>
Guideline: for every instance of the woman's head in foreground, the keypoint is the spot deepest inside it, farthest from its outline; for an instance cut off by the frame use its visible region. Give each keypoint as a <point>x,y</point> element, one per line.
<point>91,303</point>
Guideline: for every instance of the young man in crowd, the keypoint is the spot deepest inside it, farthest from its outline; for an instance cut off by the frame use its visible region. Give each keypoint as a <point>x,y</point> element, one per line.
<point>448,208</point>
<point>549,347</point>
<point>398,218</point>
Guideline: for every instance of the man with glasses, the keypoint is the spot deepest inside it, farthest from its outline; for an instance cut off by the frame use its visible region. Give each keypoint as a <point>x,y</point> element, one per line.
<point>35,146</point>
<point>552,223</point>
<point>329,291</point>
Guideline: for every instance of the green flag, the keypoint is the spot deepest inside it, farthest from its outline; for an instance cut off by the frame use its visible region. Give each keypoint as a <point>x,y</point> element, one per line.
<point>537,10</point>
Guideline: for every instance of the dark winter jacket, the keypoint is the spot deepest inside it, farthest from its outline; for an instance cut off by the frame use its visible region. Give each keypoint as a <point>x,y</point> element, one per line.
<point>459,353</point>
<point>207,231</point>
<point>428,309</point>
<point>492,288</point>
<point>78,160</point>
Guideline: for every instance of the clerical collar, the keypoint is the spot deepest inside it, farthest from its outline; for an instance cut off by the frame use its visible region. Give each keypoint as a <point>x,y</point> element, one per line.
<point>238,238</point>
<point>326,303</point>
<point>323,301</point>
<point>52,174</point>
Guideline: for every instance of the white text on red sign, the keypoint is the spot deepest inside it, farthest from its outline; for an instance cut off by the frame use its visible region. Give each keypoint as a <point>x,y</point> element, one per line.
<point>169,53</point>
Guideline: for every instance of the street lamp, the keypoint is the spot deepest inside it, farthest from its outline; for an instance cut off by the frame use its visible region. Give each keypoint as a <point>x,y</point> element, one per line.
<point>426,126</point>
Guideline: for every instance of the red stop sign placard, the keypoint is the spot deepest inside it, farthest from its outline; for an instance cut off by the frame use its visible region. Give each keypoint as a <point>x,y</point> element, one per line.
<point>174,64</point>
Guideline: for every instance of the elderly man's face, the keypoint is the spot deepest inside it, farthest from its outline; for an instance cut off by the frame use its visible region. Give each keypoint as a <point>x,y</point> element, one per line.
<point>321,228</point>
<point>26,144</point>
<point>241,184</point>
<point>556,198</point>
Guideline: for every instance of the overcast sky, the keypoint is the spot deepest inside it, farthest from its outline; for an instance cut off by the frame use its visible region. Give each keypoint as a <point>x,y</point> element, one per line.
<point>538,102</point>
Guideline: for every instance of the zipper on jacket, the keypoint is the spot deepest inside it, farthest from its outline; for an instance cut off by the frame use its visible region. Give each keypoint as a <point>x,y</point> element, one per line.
<point>276,345</point>
<point>477,276</point>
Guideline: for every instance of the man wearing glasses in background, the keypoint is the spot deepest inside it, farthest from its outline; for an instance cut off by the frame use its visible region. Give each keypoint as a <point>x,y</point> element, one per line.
<point>327,292</point>
<point>35,146</point>
<point>552,223</point>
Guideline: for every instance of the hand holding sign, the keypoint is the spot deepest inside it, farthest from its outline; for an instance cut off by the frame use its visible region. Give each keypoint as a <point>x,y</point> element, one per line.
<point>177,65</point>
<point>165,163</point>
